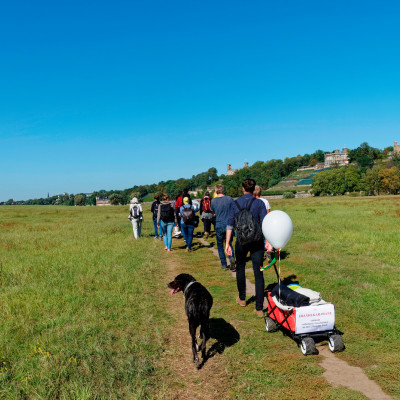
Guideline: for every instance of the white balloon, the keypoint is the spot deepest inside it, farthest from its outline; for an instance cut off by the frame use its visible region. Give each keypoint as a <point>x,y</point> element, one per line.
<point>196,205</point>
<point>277,228</point>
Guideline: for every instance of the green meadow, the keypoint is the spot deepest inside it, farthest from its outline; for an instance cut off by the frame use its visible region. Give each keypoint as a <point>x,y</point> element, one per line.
<point>86,314</point>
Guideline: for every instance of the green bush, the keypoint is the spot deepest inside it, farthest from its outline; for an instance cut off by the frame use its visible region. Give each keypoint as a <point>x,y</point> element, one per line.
<point>288,195</point>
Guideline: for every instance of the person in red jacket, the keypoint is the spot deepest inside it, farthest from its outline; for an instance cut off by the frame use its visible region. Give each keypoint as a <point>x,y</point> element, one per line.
<point>206,213</point>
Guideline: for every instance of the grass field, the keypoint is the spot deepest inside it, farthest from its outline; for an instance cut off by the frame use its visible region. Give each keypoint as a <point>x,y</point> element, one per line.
<point>86,313</point>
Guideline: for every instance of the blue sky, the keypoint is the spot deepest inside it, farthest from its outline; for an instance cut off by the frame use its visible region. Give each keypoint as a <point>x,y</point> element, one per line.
<point>105,95</point>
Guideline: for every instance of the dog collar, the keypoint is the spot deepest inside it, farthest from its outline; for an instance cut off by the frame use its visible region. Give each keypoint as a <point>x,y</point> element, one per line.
<point>187,287</point>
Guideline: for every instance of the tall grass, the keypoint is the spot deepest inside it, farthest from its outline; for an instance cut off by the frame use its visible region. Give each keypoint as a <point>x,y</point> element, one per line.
<point>79,315</point>
<point>83,310</point>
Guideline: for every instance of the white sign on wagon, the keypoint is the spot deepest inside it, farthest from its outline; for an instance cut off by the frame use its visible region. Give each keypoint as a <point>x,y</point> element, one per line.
<point>315,318</point>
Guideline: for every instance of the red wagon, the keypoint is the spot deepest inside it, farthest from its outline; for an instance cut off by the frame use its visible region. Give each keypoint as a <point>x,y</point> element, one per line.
<point>305,325</point>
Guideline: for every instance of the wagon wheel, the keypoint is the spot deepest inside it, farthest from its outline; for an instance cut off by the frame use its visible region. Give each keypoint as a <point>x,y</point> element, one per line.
<point>270,325</point>
<point>307,346</point>
<point>335,343</point>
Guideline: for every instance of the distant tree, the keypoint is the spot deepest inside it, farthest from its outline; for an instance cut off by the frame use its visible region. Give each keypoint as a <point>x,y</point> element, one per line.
<point>9,202</point>
<point>371,182</point>
<point>91,200</point>
<point>390,179</point>
<point>319,155</point>
<point>115,199</point>
<point>79,200</point>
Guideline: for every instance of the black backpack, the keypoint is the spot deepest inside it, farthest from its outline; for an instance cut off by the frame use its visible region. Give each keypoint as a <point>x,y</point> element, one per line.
<point>188,215</point>
<point>135,212</point>
<point>167,213</point>
<point>248,230</point>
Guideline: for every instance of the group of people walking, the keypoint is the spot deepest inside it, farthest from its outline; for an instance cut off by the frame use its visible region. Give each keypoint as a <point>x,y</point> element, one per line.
<point>228,216</point>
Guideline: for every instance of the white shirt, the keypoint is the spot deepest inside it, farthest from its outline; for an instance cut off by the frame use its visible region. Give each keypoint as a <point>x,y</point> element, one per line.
<point>267,206</point>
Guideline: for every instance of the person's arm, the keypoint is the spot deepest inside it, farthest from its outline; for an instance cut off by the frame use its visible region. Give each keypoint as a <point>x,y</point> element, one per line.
<point>158,215</point>
<point>228,248</point>
<point>141,211</point>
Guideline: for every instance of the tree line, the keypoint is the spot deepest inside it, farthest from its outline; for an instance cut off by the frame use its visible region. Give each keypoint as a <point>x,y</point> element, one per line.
<point>368,171</point>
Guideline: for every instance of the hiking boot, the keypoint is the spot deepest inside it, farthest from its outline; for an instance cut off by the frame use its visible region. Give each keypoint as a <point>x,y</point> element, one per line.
<point>259,313</point>
<point>242,303</point>
<point>224,267</point>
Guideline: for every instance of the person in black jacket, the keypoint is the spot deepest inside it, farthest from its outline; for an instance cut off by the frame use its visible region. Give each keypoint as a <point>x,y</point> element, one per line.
<point>256,248</point>
<point>154,211</point>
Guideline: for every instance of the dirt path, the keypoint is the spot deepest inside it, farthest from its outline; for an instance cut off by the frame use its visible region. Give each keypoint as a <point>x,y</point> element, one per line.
<point>211,381</point>
<point>338,372</point>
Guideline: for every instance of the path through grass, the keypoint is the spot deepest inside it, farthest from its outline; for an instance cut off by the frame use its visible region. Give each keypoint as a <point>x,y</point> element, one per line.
<point>86,314</point>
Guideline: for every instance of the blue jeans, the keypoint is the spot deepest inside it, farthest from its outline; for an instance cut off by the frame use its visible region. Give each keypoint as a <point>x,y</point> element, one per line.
<point>221,236</point>
<point>167,233</point>
<point>155,228</point>
<point>187,231</point>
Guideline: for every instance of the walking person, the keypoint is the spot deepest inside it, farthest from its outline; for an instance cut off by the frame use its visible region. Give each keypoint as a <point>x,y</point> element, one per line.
<point>206,214</point>
<point>187,222</point>
<point>248,211</point>
<point>136,217</point>
<point>257,195</point>
<point>221,207</point>
<point>166,219</point>
<point>154,210</point>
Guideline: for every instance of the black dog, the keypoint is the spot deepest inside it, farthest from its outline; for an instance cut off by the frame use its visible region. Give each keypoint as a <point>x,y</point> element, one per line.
<point>198,303</point>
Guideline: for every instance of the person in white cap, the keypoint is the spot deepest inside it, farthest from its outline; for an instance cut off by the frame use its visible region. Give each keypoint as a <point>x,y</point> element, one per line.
<point>136,217</point>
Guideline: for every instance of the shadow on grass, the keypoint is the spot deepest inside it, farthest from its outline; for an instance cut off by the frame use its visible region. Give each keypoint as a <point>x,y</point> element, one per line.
<point>224,334</point>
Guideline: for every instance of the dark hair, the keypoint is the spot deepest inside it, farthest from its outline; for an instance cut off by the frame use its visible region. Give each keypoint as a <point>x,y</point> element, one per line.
<point>248,185</point>
<point>157,198</point>
<point>207,194</point>
<point>166,197</point>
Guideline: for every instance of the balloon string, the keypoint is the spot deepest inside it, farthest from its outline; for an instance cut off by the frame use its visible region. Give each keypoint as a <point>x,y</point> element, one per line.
<point>278,253</point>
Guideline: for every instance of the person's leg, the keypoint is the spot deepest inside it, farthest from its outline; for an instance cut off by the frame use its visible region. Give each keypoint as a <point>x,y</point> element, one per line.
<point>160,231</point>
<point>221,235</point>
<point>184,231</point>
<point>189,238</point>
<point>170,227</point>
<point>134,227</point>
<point>257,256</point>
<point>241,252</point>
<point>178,217</point>
<point>155,228</point>
<point>163,226</point>
<point>139,229</point>
<point>207,226</point>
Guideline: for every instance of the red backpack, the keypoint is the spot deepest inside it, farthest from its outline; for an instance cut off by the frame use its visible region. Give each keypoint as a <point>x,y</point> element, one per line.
<point>206,205</point>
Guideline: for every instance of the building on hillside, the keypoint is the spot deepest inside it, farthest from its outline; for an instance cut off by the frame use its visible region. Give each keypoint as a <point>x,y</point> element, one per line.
<point>102,202</point>
<point>337,158</point>
<point>231,171</point>
<point>396,148</point>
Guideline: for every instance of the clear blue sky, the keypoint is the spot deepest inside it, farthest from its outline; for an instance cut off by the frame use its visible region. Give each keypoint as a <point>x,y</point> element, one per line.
<point>108,94</point>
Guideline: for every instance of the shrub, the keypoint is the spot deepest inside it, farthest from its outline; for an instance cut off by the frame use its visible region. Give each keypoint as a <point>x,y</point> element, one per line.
<point>288,195</point>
